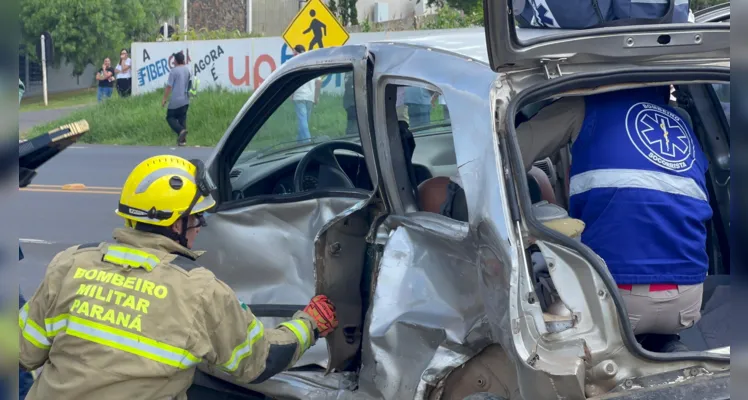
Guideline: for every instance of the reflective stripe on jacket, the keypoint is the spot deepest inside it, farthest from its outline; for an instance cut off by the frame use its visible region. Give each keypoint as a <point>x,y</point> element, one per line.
<point>638,182</point>
<point>133,319</point>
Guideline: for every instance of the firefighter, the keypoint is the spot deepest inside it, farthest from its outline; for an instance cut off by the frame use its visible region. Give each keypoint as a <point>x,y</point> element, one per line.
<point>132,319</point>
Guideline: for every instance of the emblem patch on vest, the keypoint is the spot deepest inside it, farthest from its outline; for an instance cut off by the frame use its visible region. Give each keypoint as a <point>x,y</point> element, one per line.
<point>660,136</point>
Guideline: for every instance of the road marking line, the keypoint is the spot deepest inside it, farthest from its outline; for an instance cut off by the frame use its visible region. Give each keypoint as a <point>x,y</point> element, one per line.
<point>60,187</point>
<point>35,241</point>
<point>74,186</point>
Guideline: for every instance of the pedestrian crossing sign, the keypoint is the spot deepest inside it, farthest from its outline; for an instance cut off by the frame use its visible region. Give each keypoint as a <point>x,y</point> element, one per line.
<point>315,27</point>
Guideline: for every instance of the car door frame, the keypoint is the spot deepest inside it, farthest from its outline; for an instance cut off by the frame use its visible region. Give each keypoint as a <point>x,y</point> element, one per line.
<point>253,115</point>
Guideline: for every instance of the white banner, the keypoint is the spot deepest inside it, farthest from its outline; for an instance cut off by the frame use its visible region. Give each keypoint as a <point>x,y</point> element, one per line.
<point>234,64</point>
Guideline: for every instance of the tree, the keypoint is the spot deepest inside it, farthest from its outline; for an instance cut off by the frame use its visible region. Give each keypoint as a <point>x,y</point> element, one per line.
<point>345,10</point>
<point>466,6</point>
<point>333,6</point>
<point>86,31</point>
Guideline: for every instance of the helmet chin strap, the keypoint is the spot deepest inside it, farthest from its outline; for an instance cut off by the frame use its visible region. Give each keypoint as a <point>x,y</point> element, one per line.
<point>185,217</point>
<point>182,235</point>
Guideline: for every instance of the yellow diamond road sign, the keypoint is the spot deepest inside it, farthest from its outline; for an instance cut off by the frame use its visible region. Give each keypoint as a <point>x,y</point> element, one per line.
<point>315,27</point>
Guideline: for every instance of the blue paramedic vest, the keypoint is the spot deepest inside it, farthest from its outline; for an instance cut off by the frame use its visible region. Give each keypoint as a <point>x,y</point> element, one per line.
<point>638,181</point>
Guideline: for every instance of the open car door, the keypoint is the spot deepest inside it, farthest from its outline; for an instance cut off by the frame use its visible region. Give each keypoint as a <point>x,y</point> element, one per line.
<point>278,248</point>
<point>510,47</point>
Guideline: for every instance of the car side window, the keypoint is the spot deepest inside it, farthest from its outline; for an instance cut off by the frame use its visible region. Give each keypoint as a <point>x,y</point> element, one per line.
<point>421,108</point>
<point>320,110</point>
<point>427,143</point>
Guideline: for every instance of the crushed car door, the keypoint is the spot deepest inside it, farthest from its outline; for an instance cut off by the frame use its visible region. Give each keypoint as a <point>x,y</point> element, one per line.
<point>260,239</point>
<point>510,47</point>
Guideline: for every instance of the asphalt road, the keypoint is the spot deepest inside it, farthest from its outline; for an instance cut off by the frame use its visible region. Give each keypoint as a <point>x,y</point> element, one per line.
<point>52,219</point>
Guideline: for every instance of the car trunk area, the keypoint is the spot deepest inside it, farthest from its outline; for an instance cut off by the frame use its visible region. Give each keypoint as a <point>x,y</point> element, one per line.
<point>582,287</point>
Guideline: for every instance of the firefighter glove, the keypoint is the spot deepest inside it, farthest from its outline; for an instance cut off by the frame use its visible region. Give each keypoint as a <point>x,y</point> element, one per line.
<point>323,312</point>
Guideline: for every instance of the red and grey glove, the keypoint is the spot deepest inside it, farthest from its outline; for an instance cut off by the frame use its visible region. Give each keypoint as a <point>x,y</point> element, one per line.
<point>323,312</point>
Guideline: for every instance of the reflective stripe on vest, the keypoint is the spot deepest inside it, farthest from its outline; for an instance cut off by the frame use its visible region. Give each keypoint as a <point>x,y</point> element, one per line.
<point>32,332</point>
<point>255,331</point>
<point>300,329</point>
<point>125,341</point>
<point>637,179</point>
<point>56,325</point>
<point>122,255</point>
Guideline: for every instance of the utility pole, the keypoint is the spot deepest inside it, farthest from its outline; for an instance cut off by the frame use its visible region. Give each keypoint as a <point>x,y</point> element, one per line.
<point>249,16</point>
<point>44,69</point>
<point>184,23</point>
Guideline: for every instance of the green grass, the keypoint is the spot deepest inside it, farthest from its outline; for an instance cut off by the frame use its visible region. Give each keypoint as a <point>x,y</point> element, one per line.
<point>140,120</point>
<point>59,100</point>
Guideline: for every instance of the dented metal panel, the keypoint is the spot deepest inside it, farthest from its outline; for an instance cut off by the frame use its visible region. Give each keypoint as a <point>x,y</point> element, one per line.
<point>266,252</point>
<point>425,319</point>
<point>428,314</point>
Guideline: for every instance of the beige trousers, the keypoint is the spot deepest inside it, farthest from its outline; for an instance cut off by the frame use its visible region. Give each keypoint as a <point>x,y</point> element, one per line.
<point>663,312</point>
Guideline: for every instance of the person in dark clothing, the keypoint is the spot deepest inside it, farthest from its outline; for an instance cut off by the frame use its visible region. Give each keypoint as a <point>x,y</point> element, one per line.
<point>178,86</point>
<point>105,77</point>
<point>349,103</point>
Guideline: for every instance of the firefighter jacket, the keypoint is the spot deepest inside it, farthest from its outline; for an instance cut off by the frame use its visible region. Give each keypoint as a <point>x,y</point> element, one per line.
<point>132,320</point>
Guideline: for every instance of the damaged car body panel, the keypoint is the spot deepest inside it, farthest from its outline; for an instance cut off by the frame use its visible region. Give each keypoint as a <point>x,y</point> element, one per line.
<point>426,318</point>
<point>431,307</point>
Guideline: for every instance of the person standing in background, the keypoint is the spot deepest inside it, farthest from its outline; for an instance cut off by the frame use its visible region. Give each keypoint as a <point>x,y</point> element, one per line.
<point>105,76</point>
<point>418,101</point>
<point>124,74</point>
<point>178,86</point>
<point>304,99</point>
<point>349,103</point>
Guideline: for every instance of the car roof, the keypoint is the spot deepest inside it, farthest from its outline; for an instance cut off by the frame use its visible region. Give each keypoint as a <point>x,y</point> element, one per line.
<point>469,42</point>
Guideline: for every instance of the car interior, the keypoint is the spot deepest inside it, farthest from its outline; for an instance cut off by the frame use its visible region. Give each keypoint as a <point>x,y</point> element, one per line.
<point>698,104</point>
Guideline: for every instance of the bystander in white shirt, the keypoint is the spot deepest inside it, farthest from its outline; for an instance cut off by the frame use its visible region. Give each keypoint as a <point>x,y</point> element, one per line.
<point>306,92</point>
<point>124,75</point>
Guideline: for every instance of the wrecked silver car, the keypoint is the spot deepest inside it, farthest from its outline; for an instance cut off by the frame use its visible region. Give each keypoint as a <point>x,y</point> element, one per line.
<point>438,307</point>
